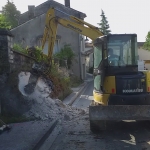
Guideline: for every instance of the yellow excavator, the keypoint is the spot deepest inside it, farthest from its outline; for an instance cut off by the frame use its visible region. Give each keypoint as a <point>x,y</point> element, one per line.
<point>121,92</point>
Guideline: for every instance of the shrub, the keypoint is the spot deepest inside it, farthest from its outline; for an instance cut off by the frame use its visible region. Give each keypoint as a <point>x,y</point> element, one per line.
<point>66,53</point>
<point>19,48</point>
<point>61,83</point>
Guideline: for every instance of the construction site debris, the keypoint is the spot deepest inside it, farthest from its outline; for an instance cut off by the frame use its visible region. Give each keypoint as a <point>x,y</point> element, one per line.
<point>43,106</point>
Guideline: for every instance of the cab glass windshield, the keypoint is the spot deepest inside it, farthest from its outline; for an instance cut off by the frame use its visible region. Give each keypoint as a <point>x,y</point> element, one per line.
<point>122,50</point>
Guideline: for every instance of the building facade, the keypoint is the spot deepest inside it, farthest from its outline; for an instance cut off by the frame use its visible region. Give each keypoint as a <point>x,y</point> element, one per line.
<point>29,32</point>
<point>144,55</point>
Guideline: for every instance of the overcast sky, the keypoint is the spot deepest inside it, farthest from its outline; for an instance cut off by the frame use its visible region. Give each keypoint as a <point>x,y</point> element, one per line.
<point>124,16</point>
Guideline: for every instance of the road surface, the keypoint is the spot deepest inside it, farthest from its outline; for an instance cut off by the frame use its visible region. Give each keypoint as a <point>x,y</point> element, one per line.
<point>76,135</point>
<point>84,99</point>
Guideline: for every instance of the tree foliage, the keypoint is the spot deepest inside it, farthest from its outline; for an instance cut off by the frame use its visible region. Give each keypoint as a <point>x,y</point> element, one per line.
<point>66,53</point>
<point>11,13</point>
<point>104,26</point>
<point>147,42</point>
<point>4,23</point>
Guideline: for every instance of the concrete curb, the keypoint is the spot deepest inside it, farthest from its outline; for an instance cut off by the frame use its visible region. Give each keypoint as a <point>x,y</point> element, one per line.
<point>46,135</point>
<point>77,94</point>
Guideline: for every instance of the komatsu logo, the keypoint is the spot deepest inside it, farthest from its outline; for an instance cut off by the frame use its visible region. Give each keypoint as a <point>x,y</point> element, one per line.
<point>75,28</point>
<point>132,90</point>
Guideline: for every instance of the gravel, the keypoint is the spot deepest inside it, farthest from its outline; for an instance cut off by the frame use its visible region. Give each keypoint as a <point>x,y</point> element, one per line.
<point>43,107</point>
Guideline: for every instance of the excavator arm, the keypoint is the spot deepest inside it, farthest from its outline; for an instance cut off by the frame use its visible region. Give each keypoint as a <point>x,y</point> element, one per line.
<point>72,23</point>
<point>50,32</point>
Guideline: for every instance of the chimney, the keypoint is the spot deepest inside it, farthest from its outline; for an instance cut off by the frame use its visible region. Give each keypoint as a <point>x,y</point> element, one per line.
<point>67,3</point>
<point>31,11</point>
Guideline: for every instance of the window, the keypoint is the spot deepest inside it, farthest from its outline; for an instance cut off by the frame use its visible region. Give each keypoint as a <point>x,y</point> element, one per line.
<point>56,47</point>
<point>124,49</point>
<point>55,50</point>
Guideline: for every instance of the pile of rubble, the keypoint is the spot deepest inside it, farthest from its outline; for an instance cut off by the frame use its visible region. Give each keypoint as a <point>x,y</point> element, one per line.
<point>43,107</point>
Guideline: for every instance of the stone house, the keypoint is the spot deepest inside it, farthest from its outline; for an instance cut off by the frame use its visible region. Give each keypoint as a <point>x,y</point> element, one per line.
<point>88,54</point>
<point>144,54</point>
<point>29,32</point>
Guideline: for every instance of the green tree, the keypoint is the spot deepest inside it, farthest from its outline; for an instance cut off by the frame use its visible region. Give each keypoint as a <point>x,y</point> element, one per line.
<point>104,26</point>
<point>4,23</point>
<point>66,53</point>
<point>11,13</point>
<point>147,42</point>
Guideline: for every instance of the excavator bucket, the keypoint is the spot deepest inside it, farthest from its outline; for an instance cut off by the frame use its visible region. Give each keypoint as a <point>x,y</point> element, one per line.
<point>38,70</point>
<point>99,115</point>
<point>29,88</point>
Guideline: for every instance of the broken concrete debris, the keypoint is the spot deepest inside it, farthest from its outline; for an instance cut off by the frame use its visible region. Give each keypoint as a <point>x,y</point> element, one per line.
<point>44,107</point>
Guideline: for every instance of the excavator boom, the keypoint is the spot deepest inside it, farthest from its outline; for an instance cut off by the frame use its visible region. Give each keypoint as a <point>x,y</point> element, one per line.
<point>50,31</point>
<point>72,23</point>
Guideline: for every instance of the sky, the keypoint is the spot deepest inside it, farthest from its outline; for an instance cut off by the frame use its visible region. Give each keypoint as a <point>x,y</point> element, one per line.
<point>124,16</point>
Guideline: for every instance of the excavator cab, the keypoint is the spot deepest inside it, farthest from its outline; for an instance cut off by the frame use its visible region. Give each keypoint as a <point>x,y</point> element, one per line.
<point>115,54</point>
<point>123,50</point>
<point>121,92</point>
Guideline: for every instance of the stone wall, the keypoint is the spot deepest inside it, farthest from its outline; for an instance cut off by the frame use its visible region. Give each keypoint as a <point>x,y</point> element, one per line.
<point>5,51</point>
<point>13,103</point>
<point>11,100</point>
<point>21,60</point>
<point>11,60</point>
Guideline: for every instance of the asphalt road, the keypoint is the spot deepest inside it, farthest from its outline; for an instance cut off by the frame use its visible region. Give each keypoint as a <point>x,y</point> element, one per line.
<point>84,99</point>
<point>76,134</point>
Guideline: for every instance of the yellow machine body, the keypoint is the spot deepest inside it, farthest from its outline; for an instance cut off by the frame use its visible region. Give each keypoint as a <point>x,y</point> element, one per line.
<point>110,88</point>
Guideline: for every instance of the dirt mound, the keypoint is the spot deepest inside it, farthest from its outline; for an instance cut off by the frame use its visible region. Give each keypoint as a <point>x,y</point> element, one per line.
<point>43,107</point>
